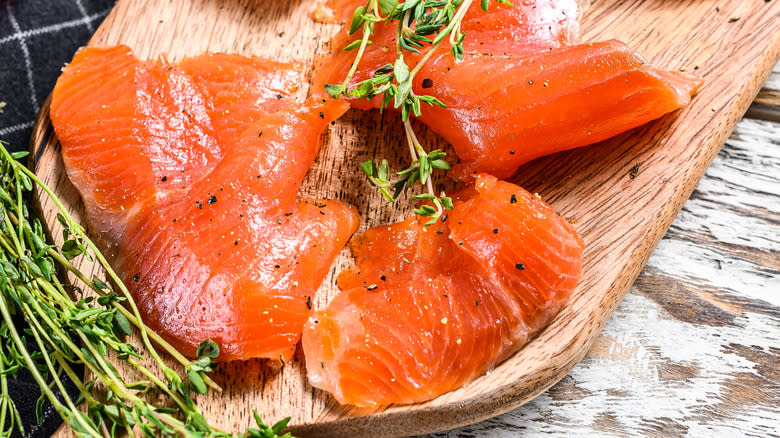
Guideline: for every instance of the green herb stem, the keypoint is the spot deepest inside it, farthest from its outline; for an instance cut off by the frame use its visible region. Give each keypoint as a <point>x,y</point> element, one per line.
<point>30,364</point>
<point>417,21</point>
<point>454,25</point>
<point>65,366</point>
<point>7,405</point>
<point>63,392</point>
<point>368,25</point>
<point>159,340</point>
<point>79,232</point>
<point>69,330</point>
<point>416,148</point>
<point>136,316</point>
<point>101,367</point>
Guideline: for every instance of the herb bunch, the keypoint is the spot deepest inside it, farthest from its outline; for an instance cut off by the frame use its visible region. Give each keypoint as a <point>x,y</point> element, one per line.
<point>68,328</point>
<point>421,25</point>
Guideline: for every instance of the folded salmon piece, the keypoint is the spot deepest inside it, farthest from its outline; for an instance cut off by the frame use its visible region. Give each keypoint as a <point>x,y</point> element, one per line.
<point>428,309</point>
<point>189,174</point>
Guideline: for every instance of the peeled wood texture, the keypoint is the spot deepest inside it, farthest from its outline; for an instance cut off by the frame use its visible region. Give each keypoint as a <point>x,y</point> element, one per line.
<point>767,103</point>
<point>621,214</point>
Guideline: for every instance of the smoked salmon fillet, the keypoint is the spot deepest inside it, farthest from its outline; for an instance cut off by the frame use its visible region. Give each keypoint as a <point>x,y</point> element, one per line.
<point>535,105</point>
<point>428,309</point>
<point>189,174</point>
<point>523,89</point>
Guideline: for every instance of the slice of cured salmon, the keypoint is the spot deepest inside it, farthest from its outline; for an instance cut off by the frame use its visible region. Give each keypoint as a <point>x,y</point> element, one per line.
<point>189,174</point>
<point>428,309</point>
<point>523,89</point>
<point>530,106</point>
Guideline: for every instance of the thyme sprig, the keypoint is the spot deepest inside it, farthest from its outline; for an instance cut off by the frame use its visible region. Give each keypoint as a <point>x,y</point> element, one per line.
<point>68,328</point>
<point>419,23</point>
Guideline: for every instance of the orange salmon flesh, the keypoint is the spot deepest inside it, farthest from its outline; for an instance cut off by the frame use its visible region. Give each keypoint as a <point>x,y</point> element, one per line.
<point>189,174</point>
<point>524,89</point>
<point>428,309</point>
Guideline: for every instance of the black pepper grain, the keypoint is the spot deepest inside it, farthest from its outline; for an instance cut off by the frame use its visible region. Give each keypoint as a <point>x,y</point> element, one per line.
<point>633,171</point>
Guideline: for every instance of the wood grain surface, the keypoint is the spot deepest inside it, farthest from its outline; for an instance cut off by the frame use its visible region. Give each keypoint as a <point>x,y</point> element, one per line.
<point>621,214</point>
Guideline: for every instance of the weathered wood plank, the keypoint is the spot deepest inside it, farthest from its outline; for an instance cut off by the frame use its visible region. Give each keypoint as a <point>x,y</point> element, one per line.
<point>766,106</point>
<point>770,93</point>
<point>693,349</point>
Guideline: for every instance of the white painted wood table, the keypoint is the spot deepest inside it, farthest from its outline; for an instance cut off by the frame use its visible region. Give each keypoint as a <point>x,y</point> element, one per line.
<point>694,348</point>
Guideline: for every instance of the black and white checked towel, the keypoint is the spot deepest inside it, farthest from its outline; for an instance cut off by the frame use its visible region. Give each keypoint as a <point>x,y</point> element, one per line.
<point>37,37</point>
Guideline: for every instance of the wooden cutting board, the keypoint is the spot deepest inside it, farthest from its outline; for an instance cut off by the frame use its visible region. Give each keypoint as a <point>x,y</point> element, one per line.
<point>621,195</point>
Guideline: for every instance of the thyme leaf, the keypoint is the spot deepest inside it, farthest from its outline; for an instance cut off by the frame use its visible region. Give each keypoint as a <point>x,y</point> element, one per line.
<point>422,26</point>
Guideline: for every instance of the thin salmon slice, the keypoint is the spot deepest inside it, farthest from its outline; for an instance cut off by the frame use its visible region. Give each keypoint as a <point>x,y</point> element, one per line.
<point>428,309</point>
<point>523,89</point>
<point>189,174</point>
<point>536,105</point>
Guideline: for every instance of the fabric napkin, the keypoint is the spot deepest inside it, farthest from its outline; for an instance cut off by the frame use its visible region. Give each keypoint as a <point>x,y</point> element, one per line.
<point>37,38</point>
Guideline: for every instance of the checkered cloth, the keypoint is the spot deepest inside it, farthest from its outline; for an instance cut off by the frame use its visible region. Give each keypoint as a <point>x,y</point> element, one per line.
<point>37,37</point>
